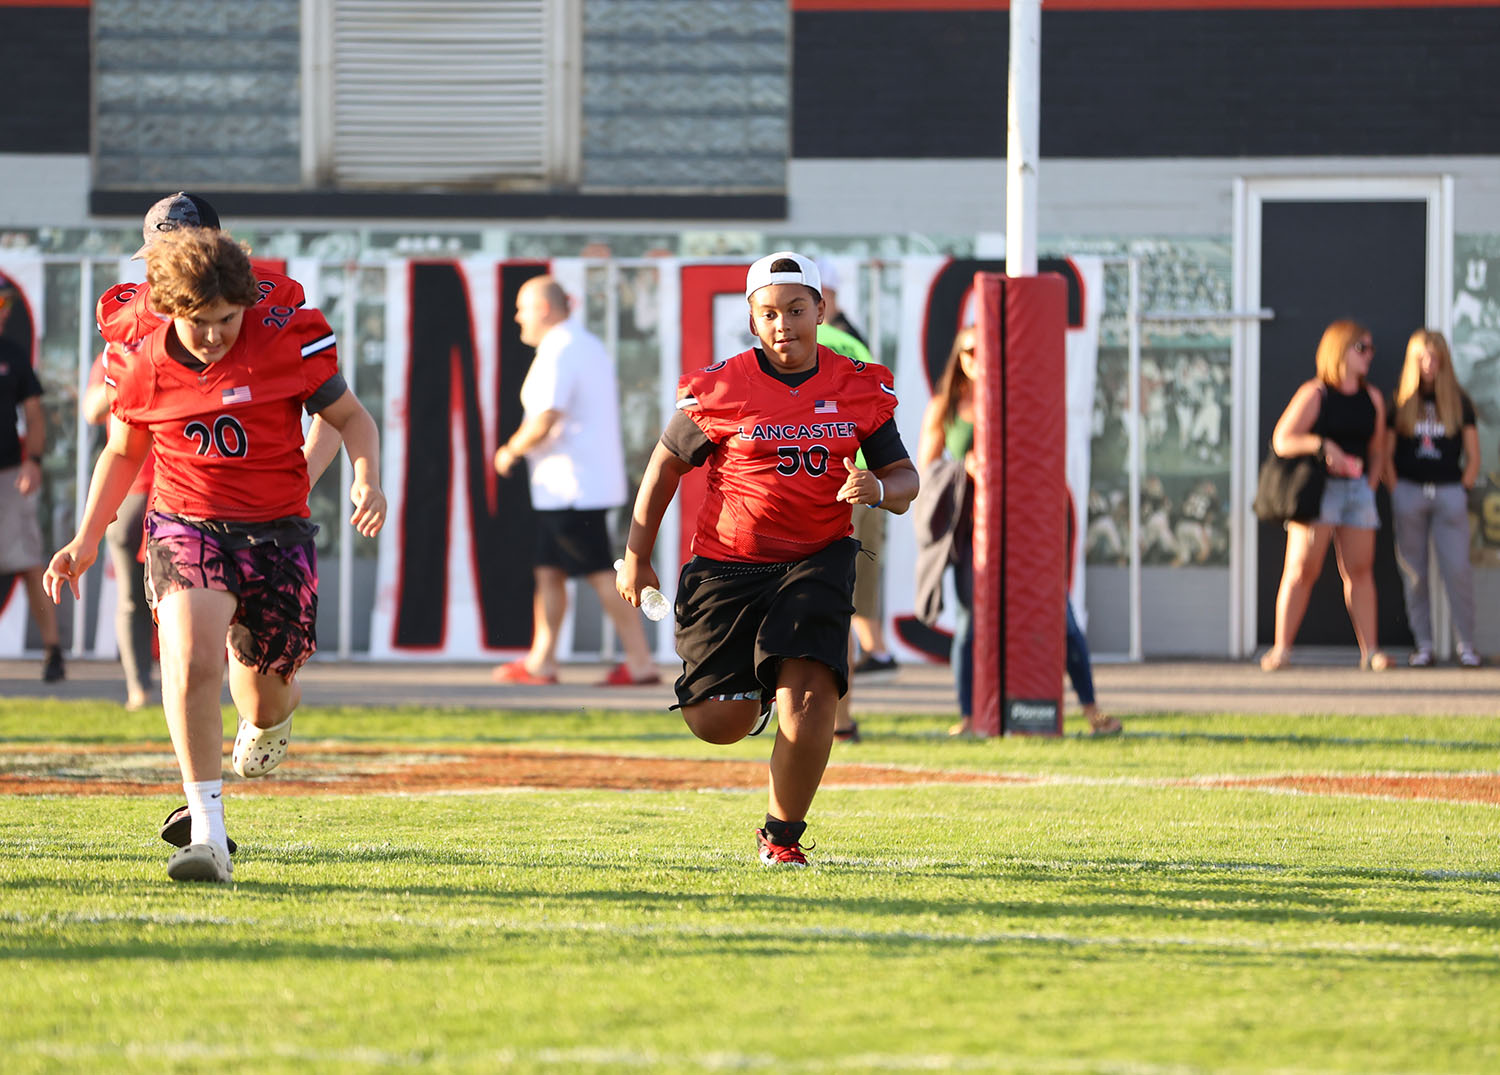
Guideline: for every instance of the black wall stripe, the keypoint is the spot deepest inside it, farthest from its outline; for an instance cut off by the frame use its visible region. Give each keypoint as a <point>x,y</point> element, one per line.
<point>442,348</point>
<point>44,80</point>
<point>462,205</point>
<point>1153,84</point>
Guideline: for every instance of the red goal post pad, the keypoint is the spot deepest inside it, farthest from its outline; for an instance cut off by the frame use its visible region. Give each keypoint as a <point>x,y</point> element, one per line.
<point>1020,505</point>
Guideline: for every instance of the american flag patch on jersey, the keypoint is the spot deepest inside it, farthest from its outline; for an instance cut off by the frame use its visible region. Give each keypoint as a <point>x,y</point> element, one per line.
<point>826,406</point>
<point>236,395</point>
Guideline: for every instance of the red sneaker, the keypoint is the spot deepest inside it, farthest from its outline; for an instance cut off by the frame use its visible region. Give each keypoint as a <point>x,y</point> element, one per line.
<point>517,674</point>
<point>776,854</point>
<point>619,676</point>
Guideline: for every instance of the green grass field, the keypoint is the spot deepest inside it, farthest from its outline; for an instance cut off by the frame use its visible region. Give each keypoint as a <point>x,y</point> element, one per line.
<point>1121,913</point>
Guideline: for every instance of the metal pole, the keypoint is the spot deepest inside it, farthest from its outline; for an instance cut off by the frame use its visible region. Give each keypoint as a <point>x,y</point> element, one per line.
<point>611,336</point>
<point>350,366</point>
<point>82,470</point>
<point>1137,462</point>
<point>1022,123</point>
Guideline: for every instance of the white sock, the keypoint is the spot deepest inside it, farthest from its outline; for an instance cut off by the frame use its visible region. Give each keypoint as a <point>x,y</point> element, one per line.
<point>206,806</point>
<point>883,655</point>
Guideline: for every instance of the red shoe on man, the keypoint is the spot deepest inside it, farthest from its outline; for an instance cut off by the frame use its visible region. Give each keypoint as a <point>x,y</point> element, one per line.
<point>619,676</point>
<point>517,674</point>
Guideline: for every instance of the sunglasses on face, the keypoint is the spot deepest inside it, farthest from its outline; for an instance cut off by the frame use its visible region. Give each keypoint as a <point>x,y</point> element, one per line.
<point>1365,347</point>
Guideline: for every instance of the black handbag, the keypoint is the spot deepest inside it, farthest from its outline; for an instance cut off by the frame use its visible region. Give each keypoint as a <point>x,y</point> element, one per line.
<point>1290,488</point>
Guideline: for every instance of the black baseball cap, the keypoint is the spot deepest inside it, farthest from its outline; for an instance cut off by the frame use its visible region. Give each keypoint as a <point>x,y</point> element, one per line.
<point>180,210</point>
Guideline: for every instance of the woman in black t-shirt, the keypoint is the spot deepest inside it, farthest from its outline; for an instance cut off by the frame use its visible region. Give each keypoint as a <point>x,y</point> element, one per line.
<point>1434,462</point>
<point>1341,418</point>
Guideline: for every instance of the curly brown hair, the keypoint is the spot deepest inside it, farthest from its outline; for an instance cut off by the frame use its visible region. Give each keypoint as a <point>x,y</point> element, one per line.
<point>191,269</point>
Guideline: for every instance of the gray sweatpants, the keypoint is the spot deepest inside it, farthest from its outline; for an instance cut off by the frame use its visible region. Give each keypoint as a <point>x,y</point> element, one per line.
<point>1445,517</point>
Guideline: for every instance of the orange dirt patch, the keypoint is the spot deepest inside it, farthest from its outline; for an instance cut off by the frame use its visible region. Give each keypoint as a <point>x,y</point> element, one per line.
<point>1446,787</point>
<point>327,768</point>
<point>330,768</point>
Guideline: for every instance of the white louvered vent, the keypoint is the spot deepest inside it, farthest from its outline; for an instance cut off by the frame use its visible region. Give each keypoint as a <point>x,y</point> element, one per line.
<point>440,92</point>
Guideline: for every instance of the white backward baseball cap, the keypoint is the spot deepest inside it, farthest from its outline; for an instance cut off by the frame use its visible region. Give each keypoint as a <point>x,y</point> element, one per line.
<point>760,274</point>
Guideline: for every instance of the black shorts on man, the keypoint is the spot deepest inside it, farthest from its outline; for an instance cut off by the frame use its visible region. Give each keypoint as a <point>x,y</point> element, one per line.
<point>737,621</point>
<point>574,541</point>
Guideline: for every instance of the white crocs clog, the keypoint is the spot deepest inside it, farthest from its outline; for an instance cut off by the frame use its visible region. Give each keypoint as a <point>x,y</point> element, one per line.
<point>200,862</point>
<point>259,750</point>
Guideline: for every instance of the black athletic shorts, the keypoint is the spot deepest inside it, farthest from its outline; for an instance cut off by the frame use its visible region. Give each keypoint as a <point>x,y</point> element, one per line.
<point>574,541</point>
<point>736,622</point>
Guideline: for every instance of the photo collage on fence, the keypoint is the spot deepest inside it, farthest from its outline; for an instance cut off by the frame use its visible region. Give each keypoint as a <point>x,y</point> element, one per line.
<point>1184,407</point>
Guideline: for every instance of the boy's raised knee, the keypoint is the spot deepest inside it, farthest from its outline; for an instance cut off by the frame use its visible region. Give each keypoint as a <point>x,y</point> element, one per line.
<point>723,719</point>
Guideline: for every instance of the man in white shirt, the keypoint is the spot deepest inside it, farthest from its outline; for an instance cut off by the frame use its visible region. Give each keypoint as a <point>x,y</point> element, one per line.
<point>570,437</point>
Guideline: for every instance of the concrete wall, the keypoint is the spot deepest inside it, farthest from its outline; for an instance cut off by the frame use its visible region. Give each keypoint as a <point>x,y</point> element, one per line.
<point>944,200</point>
<point>1083,198</point>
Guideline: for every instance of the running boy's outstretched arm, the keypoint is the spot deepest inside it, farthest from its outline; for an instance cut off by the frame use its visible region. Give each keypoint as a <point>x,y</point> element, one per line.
<point>362,441</point>
<point>116,469</point>
<point>658,487</point>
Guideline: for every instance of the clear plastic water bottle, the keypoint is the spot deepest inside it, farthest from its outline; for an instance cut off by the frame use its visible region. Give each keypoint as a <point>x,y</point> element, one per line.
<point>654,603</point>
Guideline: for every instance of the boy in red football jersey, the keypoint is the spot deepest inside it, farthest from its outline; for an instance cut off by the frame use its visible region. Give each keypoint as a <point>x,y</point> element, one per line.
<point>216,394</point>
<point>763,606</point>
<point>125,316</point>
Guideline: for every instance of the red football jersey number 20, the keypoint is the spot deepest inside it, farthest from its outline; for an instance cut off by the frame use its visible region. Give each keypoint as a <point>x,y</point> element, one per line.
<point>228,436</point>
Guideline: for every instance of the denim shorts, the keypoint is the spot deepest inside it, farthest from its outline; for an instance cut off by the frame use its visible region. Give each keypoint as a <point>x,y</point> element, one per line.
<point>1348,502</point>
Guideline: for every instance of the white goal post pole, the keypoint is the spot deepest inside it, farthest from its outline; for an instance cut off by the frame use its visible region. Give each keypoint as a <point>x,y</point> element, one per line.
<point>1022,125</point>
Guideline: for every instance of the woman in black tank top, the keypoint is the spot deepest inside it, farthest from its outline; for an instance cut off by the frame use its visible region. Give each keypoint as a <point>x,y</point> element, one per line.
<point>1339,417</point>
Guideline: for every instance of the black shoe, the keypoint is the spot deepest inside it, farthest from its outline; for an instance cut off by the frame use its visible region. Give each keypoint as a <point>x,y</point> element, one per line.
<point>177,830</point>
<point>849,734</point>
<point>873,666</point>
<point>52,669</point>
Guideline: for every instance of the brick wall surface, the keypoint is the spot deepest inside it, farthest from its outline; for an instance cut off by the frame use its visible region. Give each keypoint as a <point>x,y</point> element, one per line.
<point>197,92</point>
<point>685,94</point>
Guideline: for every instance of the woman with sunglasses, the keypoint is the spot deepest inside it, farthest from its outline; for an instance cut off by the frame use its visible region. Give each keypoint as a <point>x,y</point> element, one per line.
<point>1340,417</point>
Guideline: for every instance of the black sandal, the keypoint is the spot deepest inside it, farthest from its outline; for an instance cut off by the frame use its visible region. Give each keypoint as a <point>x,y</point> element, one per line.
<point>177,830</point>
